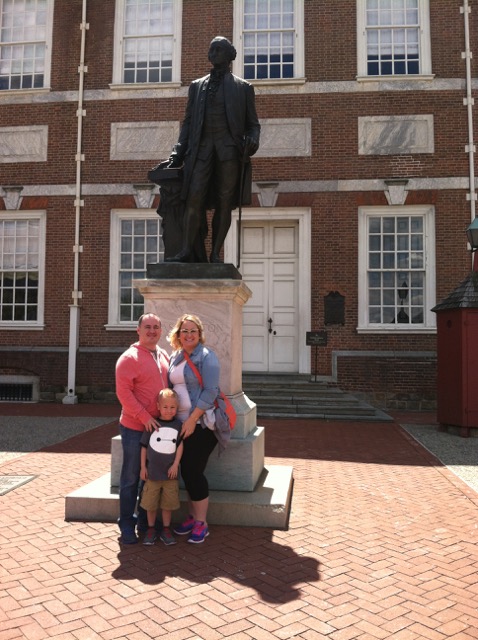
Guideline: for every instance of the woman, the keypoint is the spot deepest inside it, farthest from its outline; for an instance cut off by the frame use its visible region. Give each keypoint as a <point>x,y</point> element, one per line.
<point>190,360</point>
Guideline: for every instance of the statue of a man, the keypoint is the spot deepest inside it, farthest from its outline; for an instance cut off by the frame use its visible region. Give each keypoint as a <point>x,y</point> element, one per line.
<point>219,133</point>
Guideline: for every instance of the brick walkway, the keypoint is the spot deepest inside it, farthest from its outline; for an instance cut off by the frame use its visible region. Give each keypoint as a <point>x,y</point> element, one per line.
<point>381,544</point>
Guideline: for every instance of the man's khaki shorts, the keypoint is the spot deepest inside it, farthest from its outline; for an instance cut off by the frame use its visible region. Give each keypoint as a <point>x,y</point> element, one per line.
<point>160,494</point>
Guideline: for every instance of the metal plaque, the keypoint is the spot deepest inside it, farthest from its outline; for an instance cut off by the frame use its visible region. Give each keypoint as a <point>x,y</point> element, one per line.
<point>334,308</point>
<point>316,338</point>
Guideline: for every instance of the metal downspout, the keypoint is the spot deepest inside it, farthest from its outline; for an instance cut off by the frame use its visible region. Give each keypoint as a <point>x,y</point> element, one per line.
<point>71,397</point>
<point>469,102</point>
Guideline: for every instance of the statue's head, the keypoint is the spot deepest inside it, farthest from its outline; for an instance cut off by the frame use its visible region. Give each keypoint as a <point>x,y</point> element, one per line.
<point>220,43</point>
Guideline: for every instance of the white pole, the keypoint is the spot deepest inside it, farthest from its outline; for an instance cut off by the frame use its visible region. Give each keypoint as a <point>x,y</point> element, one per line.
<point>469,102</point>
<point>71,397</point>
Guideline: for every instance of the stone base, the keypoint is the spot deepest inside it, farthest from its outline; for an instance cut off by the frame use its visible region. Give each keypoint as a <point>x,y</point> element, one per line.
<point>238,468</point>
<point>267,506</point>
<point>242,490</point>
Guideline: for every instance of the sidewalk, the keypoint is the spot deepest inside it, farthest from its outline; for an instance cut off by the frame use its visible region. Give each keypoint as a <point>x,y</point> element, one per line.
<point>381,544</point>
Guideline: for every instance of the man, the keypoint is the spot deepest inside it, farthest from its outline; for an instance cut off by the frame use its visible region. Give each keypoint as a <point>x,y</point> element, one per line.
<point>219,133</point>
<point>141,373</point>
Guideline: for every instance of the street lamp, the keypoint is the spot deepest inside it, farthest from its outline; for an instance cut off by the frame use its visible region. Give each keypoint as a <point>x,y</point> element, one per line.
<point>472,235</point>
<point>402,316</point>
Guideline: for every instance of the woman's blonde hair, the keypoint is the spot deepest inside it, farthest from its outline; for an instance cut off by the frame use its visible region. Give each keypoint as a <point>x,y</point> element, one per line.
<point>173,337</point>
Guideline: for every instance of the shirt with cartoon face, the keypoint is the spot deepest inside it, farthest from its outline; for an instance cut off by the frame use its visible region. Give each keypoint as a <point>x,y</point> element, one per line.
<point>161,448</point>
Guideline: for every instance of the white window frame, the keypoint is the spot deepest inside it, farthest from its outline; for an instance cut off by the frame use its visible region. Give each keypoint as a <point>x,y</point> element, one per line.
<point>429,323</point>
<point>117,216</point>
<point>37,324</point>
<point>48,52</point>
<point>425,58</point>
<point>118,49</point>
<point>299,62</point>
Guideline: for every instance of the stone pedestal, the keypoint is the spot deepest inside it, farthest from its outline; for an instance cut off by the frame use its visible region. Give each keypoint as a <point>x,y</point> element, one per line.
<point>243,491</point>
<point>218,303</point>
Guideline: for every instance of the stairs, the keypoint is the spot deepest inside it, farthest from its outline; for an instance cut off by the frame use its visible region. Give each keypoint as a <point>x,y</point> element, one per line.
<point>296,396</point>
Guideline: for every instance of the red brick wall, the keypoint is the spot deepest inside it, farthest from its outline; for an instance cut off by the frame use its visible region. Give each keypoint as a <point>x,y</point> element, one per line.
<point>330,55</point>
<point>391,383</point>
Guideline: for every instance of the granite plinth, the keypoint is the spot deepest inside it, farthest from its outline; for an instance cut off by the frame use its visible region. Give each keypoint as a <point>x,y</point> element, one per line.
<point>267,506</point>
<point>243,490</point>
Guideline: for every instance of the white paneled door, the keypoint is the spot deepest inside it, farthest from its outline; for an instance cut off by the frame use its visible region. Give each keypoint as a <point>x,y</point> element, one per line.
<point>269,266</point>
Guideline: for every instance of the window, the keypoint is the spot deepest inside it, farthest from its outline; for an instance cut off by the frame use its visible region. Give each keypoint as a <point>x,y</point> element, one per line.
<point>396,268</point>
<point>25,43</point>
<point>135,242</point>
<point>22,256</point>
<point>148,41</point>
<point>268,36</point>
<point>393,38</point>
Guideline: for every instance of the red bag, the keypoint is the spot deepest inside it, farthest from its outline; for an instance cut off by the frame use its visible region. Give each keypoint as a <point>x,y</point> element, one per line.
<point>228,408</point>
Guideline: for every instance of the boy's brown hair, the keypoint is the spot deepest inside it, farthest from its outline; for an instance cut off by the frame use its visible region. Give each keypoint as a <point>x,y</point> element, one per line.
<point>168,393</point>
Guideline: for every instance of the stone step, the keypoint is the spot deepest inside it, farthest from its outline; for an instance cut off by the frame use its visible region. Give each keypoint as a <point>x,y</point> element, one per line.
<point>294,392</point>
<point>311,408</point>
<point>286,396</point>
<point>378,416</point>
<point>298,400</point>
<point>243,491</point>
<point>303,388</point>
<point>267,506</point>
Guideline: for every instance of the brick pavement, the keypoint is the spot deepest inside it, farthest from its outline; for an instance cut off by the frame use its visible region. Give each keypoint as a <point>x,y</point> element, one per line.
<point>381,544</point>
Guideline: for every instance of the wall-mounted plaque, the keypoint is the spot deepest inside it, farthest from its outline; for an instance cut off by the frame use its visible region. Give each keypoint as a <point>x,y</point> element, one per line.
<point>334,308</point>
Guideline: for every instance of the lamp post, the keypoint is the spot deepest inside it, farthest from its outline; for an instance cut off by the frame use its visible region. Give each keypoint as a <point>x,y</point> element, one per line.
<point>472,235</point>
<point>402,316</point>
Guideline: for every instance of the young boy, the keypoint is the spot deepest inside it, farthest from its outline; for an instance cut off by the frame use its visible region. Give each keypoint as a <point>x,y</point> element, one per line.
<point>160,455</point>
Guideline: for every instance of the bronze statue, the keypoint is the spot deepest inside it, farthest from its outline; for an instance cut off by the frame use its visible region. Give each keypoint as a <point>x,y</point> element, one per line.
<point>219,134</point>
<point>171,209</point>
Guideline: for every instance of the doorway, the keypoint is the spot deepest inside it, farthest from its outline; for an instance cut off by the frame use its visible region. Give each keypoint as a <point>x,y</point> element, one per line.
<point>274,252</point>
<point>269,268</point>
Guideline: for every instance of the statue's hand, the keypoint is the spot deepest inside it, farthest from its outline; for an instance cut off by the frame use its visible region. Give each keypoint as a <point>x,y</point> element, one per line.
<point>174,161</point>
<point>251,146</point>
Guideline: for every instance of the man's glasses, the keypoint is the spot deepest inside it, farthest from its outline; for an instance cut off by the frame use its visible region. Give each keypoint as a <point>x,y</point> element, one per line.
<point>191,331</point>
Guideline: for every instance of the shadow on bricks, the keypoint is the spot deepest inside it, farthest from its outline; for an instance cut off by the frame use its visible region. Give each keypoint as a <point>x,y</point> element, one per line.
<point>247,556</point>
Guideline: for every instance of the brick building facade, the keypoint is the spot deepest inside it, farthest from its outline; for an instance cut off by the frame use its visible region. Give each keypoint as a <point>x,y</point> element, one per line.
<point>361,187</point>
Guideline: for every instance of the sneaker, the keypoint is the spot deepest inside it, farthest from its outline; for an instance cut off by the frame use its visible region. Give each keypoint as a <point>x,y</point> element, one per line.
<point>150,536</point>
<point>167,537</point>
<point>199,532</point>
<point>128,536</point>
<point>185,527</point>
